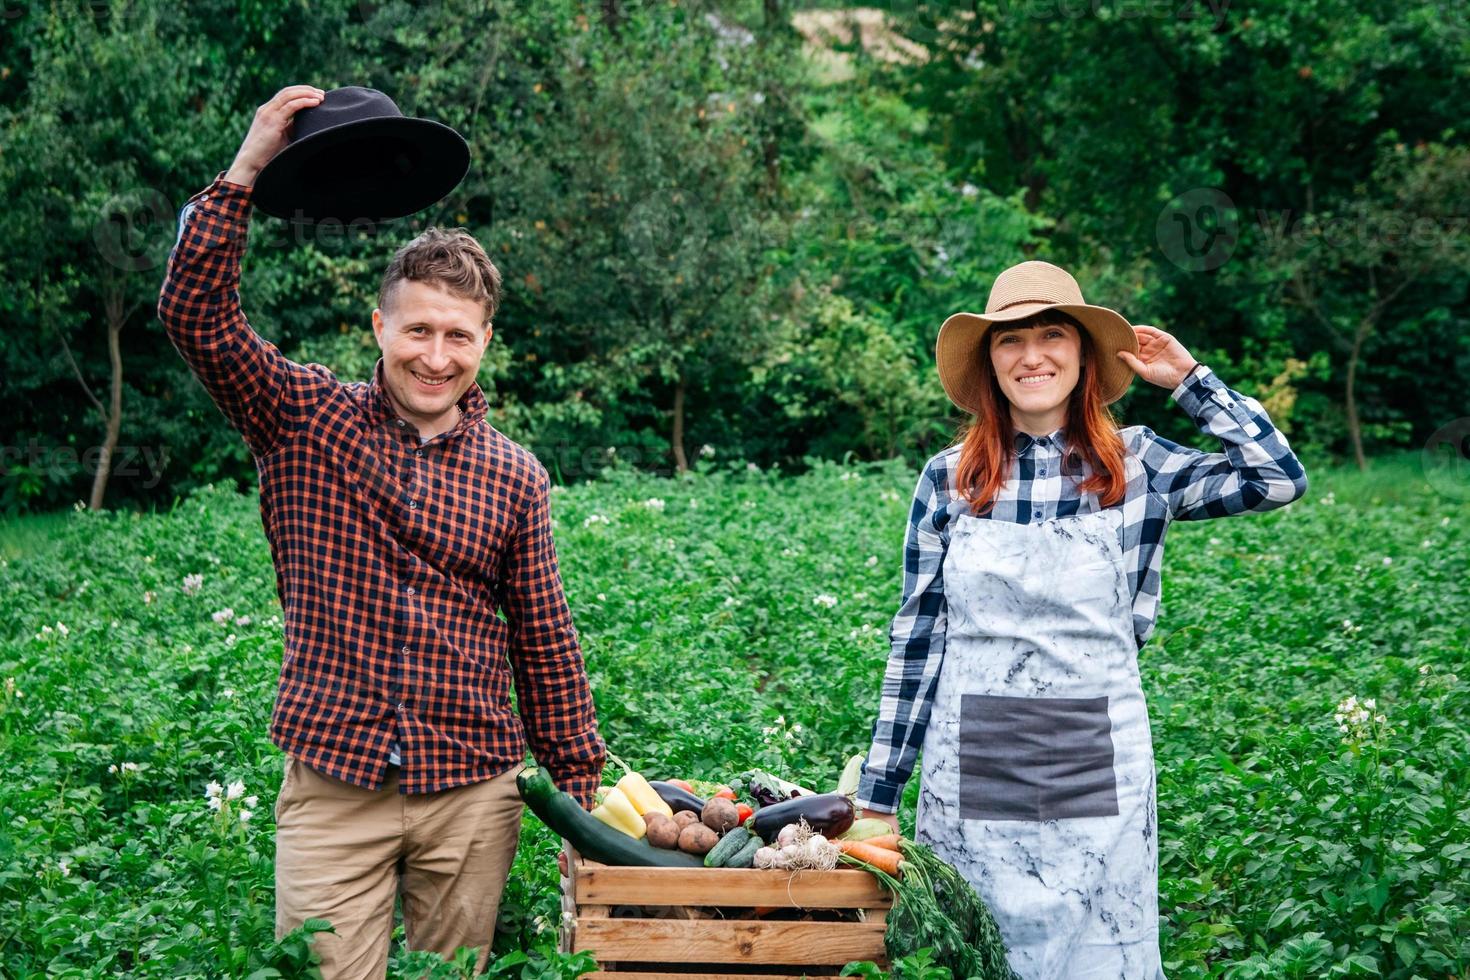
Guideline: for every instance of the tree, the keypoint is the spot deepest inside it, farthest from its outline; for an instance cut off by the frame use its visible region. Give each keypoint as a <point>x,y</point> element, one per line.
<point>1349,267</point>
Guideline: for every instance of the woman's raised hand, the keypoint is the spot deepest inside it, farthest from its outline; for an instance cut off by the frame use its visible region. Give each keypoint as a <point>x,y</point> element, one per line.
<point>1161,359</point>
<point>269,131</point>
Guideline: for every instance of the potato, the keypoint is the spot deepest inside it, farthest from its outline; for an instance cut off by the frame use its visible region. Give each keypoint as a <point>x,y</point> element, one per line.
<point>684,818</point>
<point>697,839</point>
<point>662,832</point>
<point>720,815</point>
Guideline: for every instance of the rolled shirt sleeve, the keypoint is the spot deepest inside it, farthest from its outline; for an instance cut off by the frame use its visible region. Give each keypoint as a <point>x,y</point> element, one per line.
<point>916,651</point>
<point>552,690</point>
<point>1255,470</point>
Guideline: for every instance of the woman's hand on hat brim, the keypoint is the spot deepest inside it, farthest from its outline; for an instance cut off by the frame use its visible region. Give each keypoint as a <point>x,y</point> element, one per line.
<point>270,131</point>
<point>1161,359</point>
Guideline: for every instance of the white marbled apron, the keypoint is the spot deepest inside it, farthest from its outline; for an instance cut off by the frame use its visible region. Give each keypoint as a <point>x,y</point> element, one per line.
<point>1038,772</point>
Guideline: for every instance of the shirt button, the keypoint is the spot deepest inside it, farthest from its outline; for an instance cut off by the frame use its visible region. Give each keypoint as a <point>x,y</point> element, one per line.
<point>409,590</point>
<point>401,423</point>
<point>1036,513</point>
<point>405,648</point>
<point>1043,471</point>
<point>400,706</point>
<point>419,453</point>
<point>413,505</point>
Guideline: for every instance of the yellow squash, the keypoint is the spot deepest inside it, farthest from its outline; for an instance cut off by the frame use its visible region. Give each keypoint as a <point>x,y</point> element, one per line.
<point>617,812</point>
<point>645,798</point>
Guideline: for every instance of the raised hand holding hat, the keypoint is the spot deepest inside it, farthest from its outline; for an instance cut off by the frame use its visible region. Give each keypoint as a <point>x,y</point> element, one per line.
<point>1161,359</point>
<point>346,155</point>
<point>270,131</point>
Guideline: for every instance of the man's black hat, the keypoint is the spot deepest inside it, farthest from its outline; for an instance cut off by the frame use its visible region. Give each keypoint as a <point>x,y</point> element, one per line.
<point>353,156</point>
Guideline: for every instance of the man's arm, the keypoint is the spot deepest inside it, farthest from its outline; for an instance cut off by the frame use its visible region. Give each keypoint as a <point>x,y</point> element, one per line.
<point>256,387</point>
<point>552,690</point>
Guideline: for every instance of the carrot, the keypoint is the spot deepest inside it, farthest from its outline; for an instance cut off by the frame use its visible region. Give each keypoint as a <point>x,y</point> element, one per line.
<point>887,841</point>
<point>879,857</point>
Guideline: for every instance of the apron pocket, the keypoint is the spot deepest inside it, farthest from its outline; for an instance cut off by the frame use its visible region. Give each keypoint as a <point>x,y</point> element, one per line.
<point>1036,758</point>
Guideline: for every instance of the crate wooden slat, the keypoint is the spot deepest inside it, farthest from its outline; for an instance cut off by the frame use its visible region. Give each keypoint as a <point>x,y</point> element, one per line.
<point>634,975</point>
<point>674,941</point>
<point>697,922</point>
<point>849,888</point>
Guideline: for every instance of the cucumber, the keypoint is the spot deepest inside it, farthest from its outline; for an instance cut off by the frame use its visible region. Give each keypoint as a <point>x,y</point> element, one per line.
<point>746,856</point>
<point>591,837</point>
<point>735,838</point>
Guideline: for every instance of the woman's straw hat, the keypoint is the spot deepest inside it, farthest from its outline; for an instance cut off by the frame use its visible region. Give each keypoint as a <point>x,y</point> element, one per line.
<point>1021,291</point>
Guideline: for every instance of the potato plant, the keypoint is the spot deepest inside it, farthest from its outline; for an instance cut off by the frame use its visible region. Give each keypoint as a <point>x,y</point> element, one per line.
<point>1306,686</point>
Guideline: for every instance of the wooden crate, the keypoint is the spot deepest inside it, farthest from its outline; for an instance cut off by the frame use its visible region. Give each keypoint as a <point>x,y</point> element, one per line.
<point>714,923</point>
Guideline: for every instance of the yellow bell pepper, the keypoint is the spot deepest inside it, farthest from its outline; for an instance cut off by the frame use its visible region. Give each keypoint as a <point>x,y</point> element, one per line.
<point>645,798</point>
<point>617,812</point>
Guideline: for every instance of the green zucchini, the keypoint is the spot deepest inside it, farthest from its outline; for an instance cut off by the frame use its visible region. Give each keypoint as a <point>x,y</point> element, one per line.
<point>591,837</point>
<point>746,856</point>
<point>735,838</point>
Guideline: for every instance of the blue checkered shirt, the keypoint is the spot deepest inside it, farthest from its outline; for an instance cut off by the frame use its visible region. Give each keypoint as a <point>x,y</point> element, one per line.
<point>1256,471</point>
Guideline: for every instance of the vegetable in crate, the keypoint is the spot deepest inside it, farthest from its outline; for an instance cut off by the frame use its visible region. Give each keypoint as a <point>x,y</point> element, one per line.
<point>852,774</point>
<point>729,846</point>
<point>663,832</point>
<point>830,814</point>
<point>868,827</point>
<point>678,798</point>
<point>934,907</point>
<point>643,796</point>
<point>591,837</point>
<point>697,839</point>
<point>617,812</point>
<point>746,856</point>
<point>720,815</point>
<point>766,789</point>
<point>706,790</point>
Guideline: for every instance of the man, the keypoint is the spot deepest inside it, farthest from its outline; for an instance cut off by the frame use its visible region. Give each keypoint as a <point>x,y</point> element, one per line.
<point>400,522</point>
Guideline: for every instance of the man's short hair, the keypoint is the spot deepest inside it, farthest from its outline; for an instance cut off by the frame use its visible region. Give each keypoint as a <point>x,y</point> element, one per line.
<point>452,260</point>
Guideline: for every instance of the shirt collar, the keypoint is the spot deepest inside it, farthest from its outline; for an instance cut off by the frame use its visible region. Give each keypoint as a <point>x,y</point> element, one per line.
<point>1051,442</point>
<point>472,403</point>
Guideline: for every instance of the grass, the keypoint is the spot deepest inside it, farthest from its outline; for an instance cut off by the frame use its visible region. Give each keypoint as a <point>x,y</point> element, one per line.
<point>1289,847</point>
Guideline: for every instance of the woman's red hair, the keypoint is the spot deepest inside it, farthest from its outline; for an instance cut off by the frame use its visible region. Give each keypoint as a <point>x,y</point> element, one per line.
<point>988,452</point>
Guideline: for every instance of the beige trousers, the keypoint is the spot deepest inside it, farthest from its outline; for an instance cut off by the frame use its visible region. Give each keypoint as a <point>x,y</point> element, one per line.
<point>343,853</point>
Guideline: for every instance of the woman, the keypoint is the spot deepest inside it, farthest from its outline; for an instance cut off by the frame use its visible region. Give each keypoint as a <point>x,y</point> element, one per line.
<point>1031,579</point>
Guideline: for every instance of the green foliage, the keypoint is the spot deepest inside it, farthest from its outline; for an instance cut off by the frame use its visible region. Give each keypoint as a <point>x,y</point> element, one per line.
<point>718,229</point>
<point>1288,847</point>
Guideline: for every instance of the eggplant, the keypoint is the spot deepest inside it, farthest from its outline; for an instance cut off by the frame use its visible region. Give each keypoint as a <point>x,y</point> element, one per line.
<point>677,799</point>
<point>829,814</point>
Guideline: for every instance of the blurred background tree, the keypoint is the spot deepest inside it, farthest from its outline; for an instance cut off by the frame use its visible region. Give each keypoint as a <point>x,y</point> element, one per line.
<point>740,224</point>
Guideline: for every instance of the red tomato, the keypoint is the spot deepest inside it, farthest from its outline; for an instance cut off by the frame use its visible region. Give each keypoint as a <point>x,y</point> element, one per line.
<point>743,812</point>
<point>725,794</point>
<point>682,784</point>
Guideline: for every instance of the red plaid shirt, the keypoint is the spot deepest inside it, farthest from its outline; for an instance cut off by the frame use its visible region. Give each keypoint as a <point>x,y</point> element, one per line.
<point>392,557</point>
